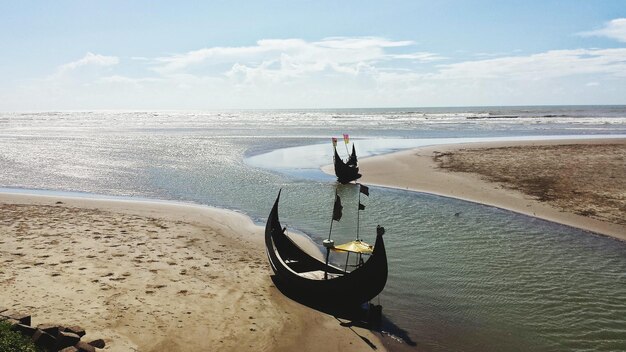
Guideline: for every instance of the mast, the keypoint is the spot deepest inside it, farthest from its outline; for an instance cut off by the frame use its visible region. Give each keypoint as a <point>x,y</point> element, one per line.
<point>358,215</point>
<point>328,243</point>
<point>365,190</point>
<point>334,140</point>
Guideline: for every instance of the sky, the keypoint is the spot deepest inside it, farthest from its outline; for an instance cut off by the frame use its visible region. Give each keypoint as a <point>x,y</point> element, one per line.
<point>212,55</point>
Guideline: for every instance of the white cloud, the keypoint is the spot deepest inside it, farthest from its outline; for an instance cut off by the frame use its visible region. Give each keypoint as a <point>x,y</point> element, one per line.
<point>332,72</point>
<point>615,29</point>
<point>90,59</point>
<point>360,43</point>
<point>127,80</point>
<point>419,56</point>
<point>294,56</point>
<point>541,66</point>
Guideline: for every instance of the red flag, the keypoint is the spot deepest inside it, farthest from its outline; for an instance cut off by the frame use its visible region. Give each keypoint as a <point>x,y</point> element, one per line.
<point>334,142</point>
<point>346,138</point>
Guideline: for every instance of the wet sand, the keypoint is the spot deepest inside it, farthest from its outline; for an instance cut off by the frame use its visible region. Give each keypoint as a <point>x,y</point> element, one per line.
<point>148,276</point>
<point>580,183</point>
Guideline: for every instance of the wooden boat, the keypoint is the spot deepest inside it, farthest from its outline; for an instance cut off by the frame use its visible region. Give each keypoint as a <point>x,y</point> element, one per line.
<point>346,172</point>
<point>312,280</point>
<point>352,161</point>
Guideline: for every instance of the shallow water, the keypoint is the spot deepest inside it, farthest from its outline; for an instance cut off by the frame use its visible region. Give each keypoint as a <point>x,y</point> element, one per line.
<point>485,280</point>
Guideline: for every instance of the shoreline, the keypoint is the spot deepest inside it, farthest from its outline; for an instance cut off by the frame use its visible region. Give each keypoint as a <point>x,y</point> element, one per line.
<point>415,170</point>
<point>154,276</point>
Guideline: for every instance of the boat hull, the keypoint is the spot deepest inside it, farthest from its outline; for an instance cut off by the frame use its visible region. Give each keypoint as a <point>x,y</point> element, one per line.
<point>302,275</point>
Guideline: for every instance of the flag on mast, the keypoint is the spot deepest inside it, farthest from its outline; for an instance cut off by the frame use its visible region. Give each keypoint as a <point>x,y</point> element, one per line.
<point>346,138</point>
<point>364,189</point>
<point>337,209</point>
<point>334,142</point>
<point>361,206</point>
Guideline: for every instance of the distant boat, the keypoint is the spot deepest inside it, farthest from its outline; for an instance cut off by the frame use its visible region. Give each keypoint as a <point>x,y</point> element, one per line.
<point>316,281</point>
<point>348,171</point>
<point>352,160</point>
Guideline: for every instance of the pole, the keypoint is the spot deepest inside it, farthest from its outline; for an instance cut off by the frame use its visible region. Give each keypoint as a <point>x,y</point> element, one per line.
<point>327,243</point>
<point>358,215</point>
<point>326,267</point>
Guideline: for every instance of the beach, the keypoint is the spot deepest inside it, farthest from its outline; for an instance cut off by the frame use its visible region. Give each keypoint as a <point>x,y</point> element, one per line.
<point>579,183</point>
<point>155,276</point>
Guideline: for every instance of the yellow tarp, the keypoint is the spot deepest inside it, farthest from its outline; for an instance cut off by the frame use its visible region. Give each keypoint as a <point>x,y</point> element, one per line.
<point>357,246</point>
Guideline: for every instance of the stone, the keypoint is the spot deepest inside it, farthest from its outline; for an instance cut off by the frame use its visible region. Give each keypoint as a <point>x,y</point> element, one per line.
<point>45,340</point>
<point>99,343</point>
<point>76,330</point>
<point>24,329</point>
<point>69,349</point>
<point>67,339</point>
<point>83,346</point>
<point>51,329</point>
<point>22,318</point>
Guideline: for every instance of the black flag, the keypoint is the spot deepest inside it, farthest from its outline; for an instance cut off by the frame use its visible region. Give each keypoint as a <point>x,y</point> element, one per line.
<point>365,190</point>
<point>361,206</point>
<point>337,209</point>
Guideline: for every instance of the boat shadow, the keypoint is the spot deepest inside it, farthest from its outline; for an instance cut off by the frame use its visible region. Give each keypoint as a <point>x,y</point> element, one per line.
<point>355,316</point>
<point>314,302</point>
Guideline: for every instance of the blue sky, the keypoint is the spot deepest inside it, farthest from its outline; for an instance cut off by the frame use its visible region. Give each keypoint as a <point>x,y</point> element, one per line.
<point>76,55</point>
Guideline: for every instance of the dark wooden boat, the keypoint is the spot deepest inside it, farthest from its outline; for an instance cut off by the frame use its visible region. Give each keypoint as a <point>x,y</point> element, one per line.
<point>352,161</point>
<point>346,172</point>
<point>305,275</point>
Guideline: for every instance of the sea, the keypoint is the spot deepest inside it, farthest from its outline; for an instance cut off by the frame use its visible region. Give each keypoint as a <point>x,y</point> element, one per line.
<point>485,279</point>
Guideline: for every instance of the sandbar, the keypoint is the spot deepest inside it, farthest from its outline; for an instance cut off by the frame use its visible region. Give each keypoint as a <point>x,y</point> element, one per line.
<point>498,174</point>
<point>155,276</point>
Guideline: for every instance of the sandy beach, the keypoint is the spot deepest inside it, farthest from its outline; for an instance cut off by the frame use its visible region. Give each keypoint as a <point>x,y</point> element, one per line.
<point>149,276</point>
<point>580,183</point>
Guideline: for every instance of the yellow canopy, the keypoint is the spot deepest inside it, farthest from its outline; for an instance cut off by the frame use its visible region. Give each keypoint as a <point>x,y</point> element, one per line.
<point>357,246</point>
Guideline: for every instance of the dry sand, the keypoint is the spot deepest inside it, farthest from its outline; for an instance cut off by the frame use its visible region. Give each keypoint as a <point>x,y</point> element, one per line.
<point>580,183</point>
<point>150,276</point>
